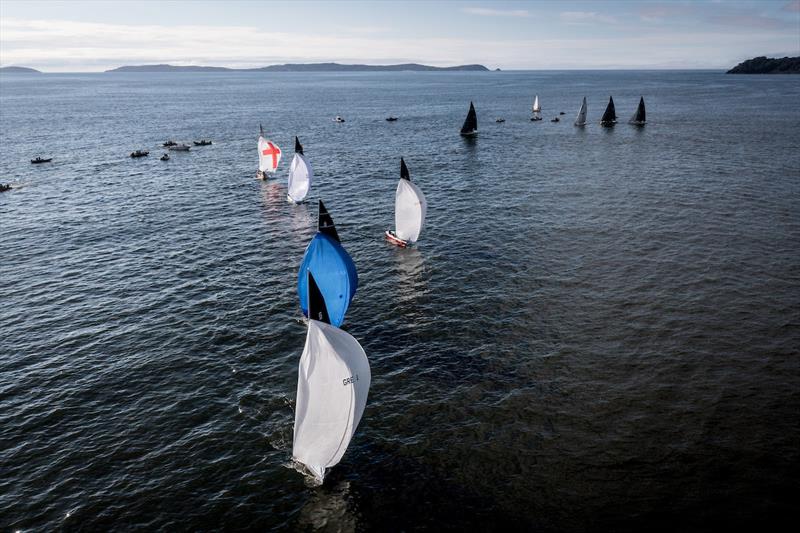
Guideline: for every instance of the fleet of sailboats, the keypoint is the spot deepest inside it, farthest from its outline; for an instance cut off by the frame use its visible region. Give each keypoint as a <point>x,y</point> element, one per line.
<point>410,208</point>
<point>334,374</point>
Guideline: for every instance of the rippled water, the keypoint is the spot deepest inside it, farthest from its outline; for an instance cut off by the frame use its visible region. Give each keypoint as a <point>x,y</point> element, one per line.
<point>599,329</point>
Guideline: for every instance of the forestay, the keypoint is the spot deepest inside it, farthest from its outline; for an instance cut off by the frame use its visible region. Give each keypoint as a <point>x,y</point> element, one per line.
<point>410,208</point>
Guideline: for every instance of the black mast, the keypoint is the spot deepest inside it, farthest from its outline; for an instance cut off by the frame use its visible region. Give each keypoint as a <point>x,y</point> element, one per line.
<point>317,310</point>
<point>404,170</point>
<point>325,224</point>
<point>471,122</point>
<point>610,116</point>
<point>297,146</point>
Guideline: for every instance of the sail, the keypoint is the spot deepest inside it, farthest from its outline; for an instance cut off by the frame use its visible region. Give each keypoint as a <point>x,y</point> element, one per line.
<point>325,223</point>
<point>269,155</point>
<point>580,120</point>
<point>410,207</point>
<point>471,122</point>
<point>334,271</point>
<point>300,175</point>
<point>332,387</point>
<point>536,107</point>
<point>639,116</point>
<point>610,115</point>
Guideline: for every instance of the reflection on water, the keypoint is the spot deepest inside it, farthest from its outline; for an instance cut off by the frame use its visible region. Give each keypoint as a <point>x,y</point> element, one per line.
<point>328,509</point>
<point>411,278</point>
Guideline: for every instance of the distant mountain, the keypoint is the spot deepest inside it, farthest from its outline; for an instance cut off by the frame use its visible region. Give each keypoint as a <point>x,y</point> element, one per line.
<point>302,67</point>
<point>167,68</point>
<point>766,65</point>
<point>19,70</point>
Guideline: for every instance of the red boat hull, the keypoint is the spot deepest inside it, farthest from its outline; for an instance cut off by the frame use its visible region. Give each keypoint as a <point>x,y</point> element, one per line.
<point>394,239</point>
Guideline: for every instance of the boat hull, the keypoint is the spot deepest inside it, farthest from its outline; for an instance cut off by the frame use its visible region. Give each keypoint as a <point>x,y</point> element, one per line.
<point>469,133</point>
<point>394,239</point>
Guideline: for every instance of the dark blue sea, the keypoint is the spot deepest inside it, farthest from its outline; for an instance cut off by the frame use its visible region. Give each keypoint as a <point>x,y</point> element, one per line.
<point>599,329</point>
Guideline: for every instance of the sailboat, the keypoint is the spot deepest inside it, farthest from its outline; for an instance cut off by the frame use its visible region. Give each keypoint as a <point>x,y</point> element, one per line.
<point>269,155</point>
<point>332,387</point>
<point>332,267</point>
<point>537,110</point>
<point>610,115</point>
<point>580,120</point>
<point>300,175</point>
<point>470,126</point>
<point>639,118</point>
<point>410,208</point>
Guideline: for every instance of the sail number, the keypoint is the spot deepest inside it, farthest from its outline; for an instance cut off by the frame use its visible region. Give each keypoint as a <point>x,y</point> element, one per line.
<point>350,380</point>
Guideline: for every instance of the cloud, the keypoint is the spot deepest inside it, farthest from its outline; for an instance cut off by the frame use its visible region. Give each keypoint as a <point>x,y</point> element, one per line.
<point>793,6</point>
<point>656,12</point>
<point>488,12</point>
<point>749,21</point>
<point>586,17</point>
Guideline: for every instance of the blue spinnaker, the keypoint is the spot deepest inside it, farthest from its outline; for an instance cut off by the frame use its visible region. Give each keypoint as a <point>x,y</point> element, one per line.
<point>335,275</point>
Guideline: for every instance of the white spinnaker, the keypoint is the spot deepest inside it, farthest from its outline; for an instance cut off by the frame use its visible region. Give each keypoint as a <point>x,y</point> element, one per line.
<point>332,388</point>
<point>536,106</point>
<point>300,176</point>
<point>581,118</point>
<point>265,161</point>
<point>410,208</point>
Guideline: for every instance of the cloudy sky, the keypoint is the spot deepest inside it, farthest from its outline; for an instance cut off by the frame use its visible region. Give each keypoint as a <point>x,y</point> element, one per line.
<point>82,36</point>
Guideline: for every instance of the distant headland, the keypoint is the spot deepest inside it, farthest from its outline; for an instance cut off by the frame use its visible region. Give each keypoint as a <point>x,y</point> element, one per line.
<point>766,65</point>
<point>302,67</point>
<point>19,70</point>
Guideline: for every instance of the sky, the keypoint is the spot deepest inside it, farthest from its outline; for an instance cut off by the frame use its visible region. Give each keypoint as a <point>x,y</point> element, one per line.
<point>87,36</point>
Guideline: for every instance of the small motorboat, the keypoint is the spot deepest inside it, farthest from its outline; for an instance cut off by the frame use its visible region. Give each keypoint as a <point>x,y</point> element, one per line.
<point>202,142</point>
<point>140,153</point>
<point>5,187</point>
<point>499,120</point>
<point>391,119</point>
<point>169,143</point>
<point>337,118</point>
<point>164,157</point>
<point>555,119</point>
<point>562,113</point>
<point>180,147</point>
<point>41,160</point>
<point>536,118</point>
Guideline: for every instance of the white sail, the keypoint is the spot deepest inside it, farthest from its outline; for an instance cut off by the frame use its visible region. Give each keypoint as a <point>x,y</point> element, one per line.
<point>410,208</point>
<point>332,388</point>
<point>580,120</point>
<point>300,176</point>
<point>536,107</point>
<point>269,155</point>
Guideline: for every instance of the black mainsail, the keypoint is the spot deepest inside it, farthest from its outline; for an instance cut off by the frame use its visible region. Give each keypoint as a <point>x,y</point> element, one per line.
<point>325,224</point>
<point>639,118</point>
<point>470,126</point>
<point>610,116</point>
<point>317,310</point>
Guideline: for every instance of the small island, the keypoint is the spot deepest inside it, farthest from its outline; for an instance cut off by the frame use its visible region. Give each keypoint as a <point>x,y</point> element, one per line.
<point>766,65</point>
<point>302,67</point>
<point>19,70</point>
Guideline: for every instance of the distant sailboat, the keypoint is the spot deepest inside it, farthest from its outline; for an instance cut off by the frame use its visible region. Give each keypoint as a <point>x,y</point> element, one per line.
<point>269,155</point>
<point>580,120</point>
<point>639,118</point>
<point>332,267</point>
<point>300,175</point>
<point>410,208</point>
<point>333,382</point>
<point>610,115</point>
<point>470,126</point>
<point>537,110</point>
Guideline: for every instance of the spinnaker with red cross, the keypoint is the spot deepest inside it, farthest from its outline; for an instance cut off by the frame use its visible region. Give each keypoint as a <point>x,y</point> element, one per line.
<point>269,156</point>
